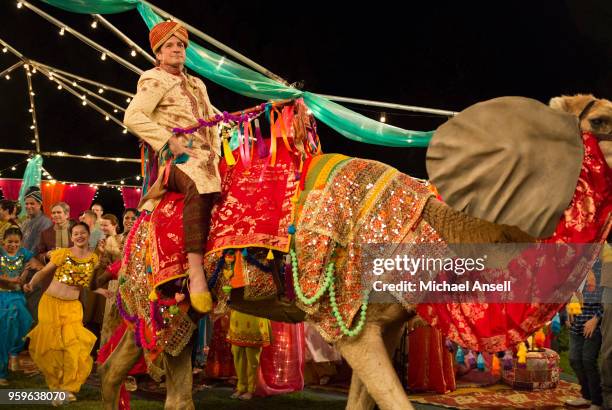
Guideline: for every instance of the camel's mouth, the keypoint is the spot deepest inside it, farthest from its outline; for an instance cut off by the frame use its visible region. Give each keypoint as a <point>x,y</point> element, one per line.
<point>606,149</point>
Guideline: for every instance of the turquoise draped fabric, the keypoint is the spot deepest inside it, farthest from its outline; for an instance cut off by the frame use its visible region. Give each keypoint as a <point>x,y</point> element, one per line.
<point>94,6</point>
<point>31,177</point>
<point>250,83</point>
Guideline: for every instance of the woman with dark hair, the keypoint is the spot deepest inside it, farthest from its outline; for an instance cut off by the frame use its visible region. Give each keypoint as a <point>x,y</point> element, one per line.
<point>60,345</point>
<point>8,216</point>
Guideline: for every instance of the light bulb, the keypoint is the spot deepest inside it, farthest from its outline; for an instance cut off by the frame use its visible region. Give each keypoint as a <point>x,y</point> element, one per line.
<point>8,77</point>
<point>5,49</point>
<point>133,53</point>
<point>34,70</point>
<point>100,90</point>
<point>94,24</point>
<point>125,130</point>
<point>59,87</point>
<point>74,84</point>
<point>19,4</point>
<point>106,118</point>
<point>122,181</point>
<point>61,32</point>
<point>13,169</point>
<point>103,56</point>
<point>127,100</point>
<point>138,178</point>
<point>84,102</point>
<point>383,117</point>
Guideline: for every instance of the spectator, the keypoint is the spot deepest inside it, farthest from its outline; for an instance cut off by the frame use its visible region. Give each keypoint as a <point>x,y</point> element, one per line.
<point>36,221</point>
<point>90,218</point>
<point>129,217</point>
<point>606,327</point>
<point>33,226</point>
<point>8,215</point>
<point>58,235</point>
<point>585,343</point>
<point>98,209</point>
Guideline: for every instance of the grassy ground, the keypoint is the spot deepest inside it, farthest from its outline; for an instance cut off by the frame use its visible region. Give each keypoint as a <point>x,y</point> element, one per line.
<point>217,398</point>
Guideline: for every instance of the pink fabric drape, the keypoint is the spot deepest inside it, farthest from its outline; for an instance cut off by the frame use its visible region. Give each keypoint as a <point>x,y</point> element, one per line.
<point>79,198</point>
<point>131,197</point>
<point>281,367</point>
<point>10,188</point>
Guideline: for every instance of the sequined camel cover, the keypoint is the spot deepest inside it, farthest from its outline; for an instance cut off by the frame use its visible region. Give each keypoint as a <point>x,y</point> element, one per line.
<point>347,204</point>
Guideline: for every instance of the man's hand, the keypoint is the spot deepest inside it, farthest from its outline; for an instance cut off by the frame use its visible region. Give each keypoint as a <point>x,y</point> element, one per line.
<point>178,146</point>
<point>27,288</point>
<point>104,292</point>
<point>101,246</point>
<point>590,326</point>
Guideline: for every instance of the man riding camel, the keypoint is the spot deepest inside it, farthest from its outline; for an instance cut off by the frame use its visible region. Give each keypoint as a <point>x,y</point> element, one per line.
<point>167,97</point>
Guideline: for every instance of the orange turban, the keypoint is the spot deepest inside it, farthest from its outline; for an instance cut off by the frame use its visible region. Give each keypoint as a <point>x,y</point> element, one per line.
<point>163,31</point>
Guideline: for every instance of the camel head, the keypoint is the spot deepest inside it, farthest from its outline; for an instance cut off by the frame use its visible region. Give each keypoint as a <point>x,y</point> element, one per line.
<point>514,160</point>
<point>596,116</point>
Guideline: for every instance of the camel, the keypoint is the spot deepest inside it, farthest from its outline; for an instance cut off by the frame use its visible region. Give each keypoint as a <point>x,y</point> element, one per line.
<point>374,381</point>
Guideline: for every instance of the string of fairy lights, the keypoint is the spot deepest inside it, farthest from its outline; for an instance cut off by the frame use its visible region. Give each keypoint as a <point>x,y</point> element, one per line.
<point>81,87</point>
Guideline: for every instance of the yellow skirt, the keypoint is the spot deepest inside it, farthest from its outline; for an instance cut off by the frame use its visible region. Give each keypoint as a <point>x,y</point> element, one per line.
<point>248,331</point>
<point>60,345</point>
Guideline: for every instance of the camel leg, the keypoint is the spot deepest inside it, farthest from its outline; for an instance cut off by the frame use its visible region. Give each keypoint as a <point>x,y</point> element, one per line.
<point>359,398</point>
<point>115,369</point>
<point>367,355</point>
<point>179,381</point>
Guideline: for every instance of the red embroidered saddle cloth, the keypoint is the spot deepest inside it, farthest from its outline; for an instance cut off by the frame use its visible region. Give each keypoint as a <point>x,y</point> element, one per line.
<point>256,209</point>
<point>168,261</point>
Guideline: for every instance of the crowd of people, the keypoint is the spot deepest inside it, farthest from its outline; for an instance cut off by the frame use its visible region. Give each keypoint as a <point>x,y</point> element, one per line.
<point>52,292</point>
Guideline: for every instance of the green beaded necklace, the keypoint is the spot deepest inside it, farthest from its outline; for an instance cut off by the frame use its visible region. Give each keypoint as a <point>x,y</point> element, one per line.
<point>329,284</point>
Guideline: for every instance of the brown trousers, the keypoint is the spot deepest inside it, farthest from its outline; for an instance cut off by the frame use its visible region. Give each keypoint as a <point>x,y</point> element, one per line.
<point>196,210</point>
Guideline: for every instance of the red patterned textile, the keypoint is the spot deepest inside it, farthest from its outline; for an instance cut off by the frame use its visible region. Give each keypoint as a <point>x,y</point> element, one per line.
<point>255,208</point>
<point>430,364</point>
<point>500,326</point>
<point>281,364</point>
<point>220,362</point>
<point>167,258</point>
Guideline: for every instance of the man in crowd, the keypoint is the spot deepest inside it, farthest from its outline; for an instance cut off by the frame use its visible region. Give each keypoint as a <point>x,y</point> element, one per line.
<point>58,235</point>
<point>33,227</point>
<point>606,328</point>
<point>36,221</point>
<point>90,218</point>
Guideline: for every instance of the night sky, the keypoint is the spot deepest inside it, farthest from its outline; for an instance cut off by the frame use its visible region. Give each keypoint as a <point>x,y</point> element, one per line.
<point>431,54</point>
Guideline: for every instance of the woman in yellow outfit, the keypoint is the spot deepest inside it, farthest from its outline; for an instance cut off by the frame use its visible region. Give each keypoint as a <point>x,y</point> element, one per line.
<point>60,345</point>
<point>247,335</point>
